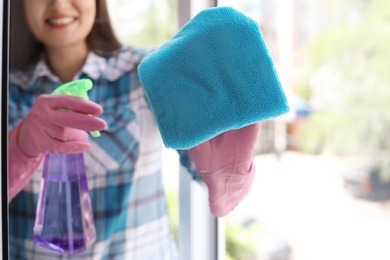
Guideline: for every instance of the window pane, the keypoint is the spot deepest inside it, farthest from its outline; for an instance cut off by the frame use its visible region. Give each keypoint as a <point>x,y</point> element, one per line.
<point>144,23</point>
<point>325,192</point>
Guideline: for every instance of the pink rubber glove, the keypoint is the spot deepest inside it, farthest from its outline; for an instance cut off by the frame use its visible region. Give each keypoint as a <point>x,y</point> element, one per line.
<point>47,129</point>
<point>225,163</point>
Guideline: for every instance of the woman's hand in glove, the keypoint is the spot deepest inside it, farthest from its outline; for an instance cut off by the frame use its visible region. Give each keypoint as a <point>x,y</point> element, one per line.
<point>225,163</point>
<point>49,129</point>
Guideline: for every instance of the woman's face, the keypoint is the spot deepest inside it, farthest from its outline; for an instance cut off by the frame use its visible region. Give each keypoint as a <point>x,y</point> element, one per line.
<point>60,23</point>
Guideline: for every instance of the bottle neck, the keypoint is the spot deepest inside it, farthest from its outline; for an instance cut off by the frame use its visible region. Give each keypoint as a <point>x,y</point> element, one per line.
<point>63,167</point>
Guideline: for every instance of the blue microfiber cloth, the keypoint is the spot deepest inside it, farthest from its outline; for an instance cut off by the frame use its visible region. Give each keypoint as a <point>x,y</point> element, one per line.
<point>214,75</point>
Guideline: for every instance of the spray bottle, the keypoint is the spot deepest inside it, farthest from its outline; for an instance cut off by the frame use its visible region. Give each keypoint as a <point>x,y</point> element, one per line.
<point>64,219</point>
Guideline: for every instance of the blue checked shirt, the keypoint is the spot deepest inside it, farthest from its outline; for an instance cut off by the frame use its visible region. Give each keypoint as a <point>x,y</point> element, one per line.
<point>123,167</point>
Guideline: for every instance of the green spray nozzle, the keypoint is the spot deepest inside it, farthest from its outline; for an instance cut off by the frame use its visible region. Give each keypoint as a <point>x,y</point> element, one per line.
<point>77,88</point>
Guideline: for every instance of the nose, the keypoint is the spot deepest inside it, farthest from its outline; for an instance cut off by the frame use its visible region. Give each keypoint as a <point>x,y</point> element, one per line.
<point>58,4</point>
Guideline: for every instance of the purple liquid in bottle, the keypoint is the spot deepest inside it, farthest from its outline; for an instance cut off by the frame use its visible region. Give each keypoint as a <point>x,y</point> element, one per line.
<point>64,220</point>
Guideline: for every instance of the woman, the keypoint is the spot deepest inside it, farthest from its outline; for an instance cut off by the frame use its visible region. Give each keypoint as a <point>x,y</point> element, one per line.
<point>72,39</point>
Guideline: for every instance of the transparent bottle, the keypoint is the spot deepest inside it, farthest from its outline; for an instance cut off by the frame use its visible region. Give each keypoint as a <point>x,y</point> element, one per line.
<point>64,220</point>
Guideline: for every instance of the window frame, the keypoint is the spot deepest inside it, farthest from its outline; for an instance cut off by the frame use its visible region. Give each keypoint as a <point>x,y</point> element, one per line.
<point>4,32</point>
<point>201,235</point>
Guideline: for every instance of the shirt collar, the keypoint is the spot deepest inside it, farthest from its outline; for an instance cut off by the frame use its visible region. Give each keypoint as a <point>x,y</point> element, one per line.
<point>93,67</point>
<point>42,70</point>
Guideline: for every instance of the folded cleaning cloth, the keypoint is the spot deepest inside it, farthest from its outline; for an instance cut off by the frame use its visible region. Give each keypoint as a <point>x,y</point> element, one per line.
<point>214,75</point>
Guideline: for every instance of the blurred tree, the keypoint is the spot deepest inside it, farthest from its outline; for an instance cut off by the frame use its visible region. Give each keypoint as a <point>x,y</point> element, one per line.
<point>350,84</point>
<point>241,240</point>
<point>159,25</point>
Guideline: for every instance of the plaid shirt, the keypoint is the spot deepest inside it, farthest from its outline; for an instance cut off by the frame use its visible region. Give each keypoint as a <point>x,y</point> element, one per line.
<point>123,167</point>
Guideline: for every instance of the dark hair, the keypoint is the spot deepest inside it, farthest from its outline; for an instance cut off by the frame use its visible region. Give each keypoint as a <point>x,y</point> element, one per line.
<point>25,48</point>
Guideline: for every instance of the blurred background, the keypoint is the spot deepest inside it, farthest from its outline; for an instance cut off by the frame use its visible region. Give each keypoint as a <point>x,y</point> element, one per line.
<point>322,189</point>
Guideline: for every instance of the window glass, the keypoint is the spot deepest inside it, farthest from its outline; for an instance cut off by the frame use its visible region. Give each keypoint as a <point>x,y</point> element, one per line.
<point>322,188</point>
<point>144,23</point>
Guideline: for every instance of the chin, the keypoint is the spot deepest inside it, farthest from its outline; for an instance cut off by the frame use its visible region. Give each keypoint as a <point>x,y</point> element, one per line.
<point>58,44</point>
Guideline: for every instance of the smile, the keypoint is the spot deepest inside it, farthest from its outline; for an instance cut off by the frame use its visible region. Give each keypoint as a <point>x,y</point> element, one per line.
<point>61,21</point>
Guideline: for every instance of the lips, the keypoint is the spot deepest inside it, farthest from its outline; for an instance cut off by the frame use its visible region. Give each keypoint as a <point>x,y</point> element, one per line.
<point>65,20</point>
<point>60,21</point>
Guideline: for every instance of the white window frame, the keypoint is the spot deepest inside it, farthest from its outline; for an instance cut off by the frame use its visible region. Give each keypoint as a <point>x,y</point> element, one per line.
<point>201,235</point>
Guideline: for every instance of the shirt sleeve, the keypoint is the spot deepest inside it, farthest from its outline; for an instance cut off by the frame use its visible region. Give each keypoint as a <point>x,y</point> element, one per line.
<point>21,167</point>
<point>188,164</point>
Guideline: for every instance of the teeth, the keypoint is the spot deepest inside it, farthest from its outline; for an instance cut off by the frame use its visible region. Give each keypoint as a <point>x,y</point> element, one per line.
<point>65,20</point>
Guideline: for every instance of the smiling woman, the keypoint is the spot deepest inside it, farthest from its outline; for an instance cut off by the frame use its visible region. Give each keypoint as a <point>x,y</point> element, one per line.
<point>123,165</point>
<point>57,41</point>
